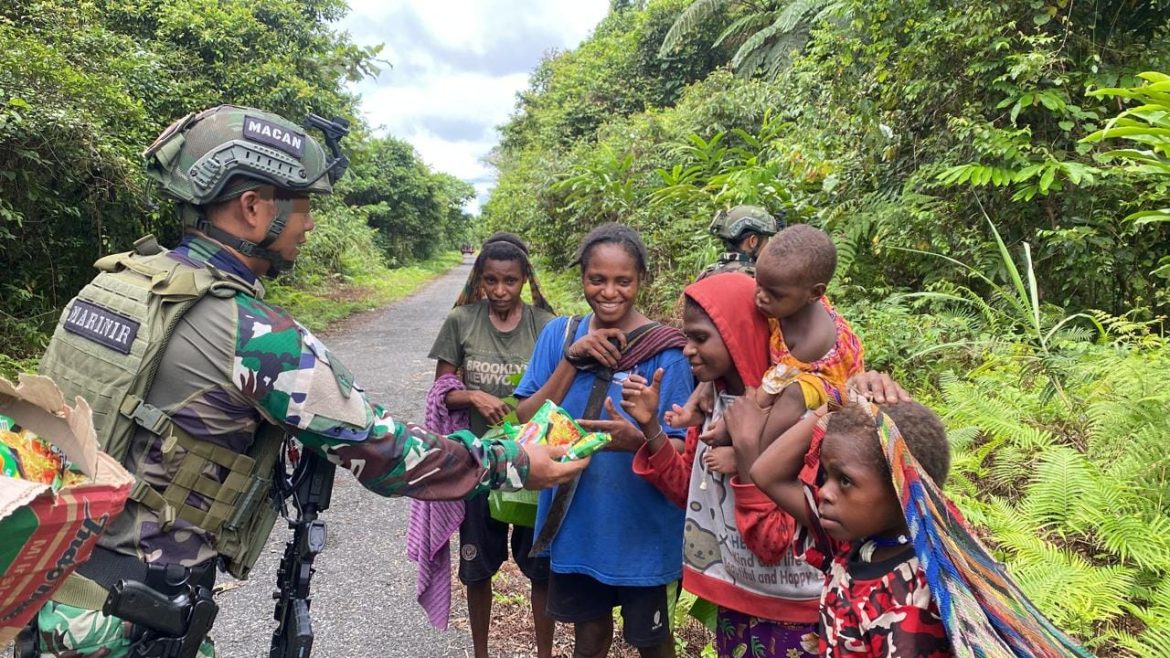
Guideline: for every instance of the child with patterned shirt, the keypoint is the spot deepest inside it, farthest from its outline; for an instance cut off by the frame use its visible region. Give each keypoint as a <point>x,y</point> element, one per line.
<point>737,550</point>
<point>810,344</point>
<point>832,475</point>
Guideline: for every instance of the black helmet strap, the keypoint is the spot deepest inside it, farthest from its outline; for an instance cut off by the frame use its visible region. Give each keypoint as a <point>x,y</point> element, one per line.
<point>277,262</point>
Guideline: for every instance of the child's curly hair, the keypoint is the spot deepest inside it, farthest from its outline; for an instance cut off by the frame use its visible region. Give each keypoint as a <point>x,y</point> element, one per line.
<point>921,428</point>
<point>804,248</point>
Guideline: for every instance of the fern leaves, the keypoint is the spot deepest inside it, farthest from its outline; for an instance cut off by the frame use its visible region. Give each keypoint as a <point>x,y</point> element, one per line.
<point>1073,492</point>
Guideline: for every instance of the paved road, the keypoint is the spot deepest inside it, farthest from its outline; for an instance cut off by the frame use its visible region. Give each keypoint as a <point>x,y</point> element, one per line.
<point>363,591</point>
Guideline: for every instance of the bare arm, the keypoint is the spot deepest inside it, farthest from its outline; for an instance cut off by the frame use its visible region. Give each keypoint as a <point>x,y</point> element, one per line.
<point>492,408</point>
<point>777,470</point>
<point>554,389</point>
<point>785,411</point>
<point>454,399</point>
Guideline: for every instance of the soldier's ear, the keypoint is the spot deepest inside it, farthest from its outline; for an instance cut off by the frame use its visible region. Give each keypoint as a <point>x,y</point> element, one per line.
<point>753,243</point>
<point>253,208</point>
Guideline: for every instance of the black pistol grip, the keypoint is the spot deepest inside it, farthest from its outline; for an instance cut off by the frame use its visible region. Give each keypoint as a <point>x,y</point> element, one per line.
<point>141,605</point>
<point>302,635</point>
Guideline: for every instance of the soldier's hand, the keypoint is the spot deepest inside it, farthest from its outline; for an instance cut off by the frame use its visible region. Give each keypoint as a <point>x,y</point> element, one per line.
<point>545,468</point>
<point>878,387</point>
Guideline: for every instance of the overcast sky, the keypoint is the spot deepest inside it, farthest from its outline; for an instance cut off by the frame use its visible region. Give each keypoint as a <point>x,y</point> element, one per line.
<point>456,66</point>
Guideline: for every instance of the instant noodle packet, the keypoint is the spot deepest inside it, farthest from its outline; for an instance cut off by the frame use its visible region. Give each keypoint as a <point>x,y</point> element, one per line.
<point>26,456</point>
<point>587,445</point>
<point>554,426</point>
<point>58,492</point>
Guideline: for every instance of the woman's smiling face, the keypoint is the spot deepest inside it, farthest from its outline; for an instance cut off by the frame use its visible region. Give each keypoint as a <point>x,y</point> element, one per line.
<point>609,280</point>
<point>705,349</point>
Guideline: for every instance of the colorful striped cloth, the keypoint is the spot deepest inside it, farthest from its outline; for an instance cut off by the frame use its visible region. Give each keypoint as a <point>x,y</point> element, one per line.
<point>432,523</point>
<point>985,613</point>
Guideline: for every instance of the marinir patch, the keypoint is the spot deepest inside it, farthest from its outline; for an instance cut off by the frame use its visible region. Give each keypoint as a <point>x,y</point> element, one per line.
<point>101,326</point>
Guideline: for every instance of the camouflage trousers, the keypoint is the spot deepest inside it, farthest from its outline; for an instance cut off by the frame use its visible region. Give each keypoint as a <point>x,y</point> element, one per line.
<point>64,631</point>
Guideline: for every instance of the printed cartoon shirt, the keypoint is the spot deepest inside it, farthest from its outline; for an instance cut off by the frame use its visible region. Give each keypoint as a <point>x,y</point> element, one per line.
<point>721,564</point>
<point>878,609</point>
<point>236,364</point>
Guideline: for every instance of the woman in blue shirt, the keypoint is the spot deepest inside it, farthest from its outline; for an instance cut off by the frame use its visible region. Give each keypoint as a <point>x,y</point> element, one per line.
<point>620,541</point>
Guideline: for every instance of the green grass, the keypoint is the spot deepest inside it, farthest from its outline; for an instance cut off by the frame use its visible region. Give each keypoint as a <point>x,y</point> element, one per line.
<point>318,306</point>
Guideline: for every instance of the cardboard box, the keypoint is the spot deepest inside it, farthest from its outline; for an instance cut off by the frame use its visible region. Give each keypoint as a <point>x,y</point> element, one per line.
<point>44,536</point>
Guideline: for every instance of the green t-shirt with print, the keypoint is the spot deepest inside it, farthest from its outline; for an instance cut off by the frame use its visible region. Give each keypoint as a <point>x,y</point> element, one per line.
<point>487,357</point>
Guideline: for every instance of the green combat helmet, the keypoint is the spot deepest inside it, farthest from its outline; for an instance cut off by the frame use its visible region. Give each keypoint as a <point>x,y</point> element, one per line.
<point>731,225</point>
<point>220,153</point>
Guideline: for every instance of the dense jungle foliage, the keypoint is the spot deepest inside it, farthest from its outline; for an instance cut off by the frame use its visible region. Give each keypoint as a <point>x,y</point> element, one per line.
<point>1000,233</point>
<point>85,86</point>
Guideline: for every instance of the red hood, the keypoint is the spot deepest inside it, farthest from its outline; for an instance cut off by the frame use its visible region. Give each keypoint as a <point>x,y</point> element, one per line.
<point>729,300</point>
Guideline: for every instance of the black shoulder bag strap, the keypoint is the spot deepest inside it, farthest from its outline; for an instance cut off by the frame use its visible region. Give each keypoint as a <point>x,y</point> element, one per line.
<point>602,376</point>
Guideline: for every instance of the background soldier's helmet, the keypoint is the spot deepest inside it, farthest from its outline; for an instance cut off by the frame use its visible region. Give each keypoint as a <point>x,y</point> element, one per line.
<point>734,223</point>
<point>222,152</point>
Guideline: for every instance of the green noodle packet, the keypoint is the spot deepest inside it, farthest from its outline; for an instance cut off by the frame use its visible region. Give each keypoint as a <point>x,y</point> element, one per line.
<point>552,425</point>
<point>587,445</point>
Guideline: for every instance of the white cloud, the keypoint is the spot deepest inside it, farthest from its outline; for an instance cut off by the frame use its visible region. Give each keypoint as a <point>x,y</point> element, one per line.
<point>456,68</point>
<point>452,95</point>
<point>475,24</point>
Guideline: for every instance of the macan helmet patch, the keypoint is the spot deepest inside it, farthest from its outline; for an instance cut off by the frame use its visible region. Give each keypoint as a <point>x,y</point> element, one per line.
<point>274,134</point>
<point>101,326</point>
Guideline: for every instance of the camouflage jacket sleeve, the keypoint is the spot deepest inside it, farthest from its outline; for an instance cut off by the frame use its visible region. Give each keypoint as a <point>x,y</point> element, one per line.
<point>294,380</point>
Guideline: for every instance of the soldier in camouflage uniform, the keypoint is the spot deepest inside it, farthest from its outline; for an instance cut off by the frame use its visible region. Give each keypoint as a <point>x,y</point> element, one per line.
<point>236,365</point>
<point>744,231</point>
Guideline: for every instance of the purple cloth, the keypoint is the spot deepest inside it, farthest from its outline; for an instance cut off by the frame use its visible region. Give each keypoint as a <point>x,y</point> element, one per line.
<point>432,523</point>
<point>738,634</point>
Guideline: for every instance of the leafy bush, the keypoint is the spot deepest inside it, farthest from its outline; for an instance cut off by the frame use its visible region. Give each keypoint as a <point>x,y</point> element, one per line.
<point>1073,492</point>
<point>84,87</point>
<point>911,130</point>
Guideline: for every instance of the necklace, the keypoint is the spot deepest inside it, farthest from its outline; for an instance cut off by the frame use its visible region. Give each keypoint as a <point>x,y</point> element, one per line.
<point>874,543</point>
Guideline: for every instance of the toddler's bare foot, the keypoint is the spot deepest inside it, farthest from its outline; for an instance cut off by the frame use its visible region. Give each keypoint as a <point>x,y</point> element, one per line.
<point>720,460</point>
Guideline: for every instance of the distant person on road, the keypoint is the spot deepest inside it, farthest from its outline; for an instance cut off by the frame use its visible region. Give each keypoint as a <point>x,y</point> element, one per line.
<point>616,542</point>
<point>483,346</point>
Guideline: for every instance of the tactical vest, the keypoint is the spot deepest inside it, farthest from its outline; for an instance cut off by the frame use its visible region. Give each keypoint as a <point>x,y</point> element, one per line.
<point>730,262</point>
<point>107,348</point>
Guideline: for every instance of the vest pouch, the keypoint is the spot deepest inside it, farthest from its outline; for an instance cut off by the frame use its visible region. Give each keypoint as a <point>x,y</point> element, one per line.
<point>240,548</point>
<point>244,535</point>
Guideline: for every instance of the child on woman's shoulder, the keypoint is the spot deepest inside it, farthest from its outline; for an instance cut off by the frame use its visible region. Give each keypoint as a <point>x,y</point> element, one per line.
<point>807,333</point>
<point>875,601</point>
<point>737,551</point>
<point>810,344</point>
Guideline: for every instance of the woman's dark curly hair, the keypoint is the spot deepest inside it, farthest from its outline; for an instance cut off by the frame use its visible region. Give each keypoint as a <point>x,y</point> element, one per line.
<point>614,233</point>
